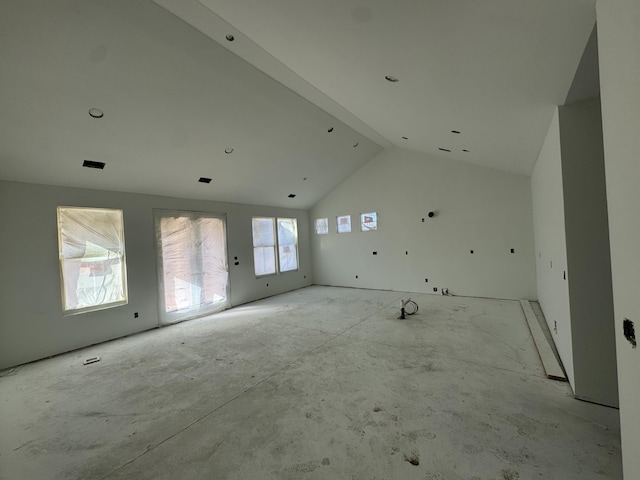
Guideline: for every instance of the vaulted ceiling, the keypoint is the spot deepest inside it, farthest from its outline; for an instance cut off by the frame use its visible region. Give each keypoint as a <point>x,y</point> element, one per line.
<point>295,88</point>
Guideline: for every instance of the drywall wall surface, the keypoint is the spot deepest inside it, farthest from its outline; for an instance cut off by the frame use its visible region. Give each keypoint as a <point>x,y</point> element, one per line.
<point>619,44</point>
<point>32,324</point>
<point>588,255</point>
<point>550,244</point>
<point>476,208</point>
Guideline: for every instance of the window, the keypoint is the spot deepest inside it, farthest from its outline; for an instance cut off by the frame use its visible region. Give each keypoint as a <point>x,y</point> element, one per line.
<point>264,245</point>
<point>369,221</point>
<point>344,224</point>
<point>192,264</point>
<point>92,262</point>
<point>322,226</point>
<point>288,244</point>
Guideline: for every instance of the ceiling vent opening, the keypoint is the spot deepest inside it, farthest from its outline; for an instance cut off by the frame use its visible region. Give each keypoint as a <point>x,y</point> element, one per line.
<point>204,180</point>
<point>92,164</point>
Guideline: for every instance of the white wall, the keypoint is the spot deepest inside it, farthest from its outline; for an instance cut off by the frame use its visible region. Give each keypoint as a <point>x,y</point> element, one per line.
<point>619,47</point>
<point>32,325</point>
<point>551,245</point>
<point>479,209</point>
<point>588,255</point>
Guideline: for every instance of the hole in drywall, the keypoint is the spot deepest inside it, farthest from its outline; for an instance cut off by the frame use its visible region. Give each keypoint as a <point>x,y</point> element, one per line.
<point>391,78</point>
<point>555,326</point>
<point>375,253</point>
<point>406,252</point>
<point>292,195</point>
<point>228,150</point>
<point>470,251</point>
<point>355,144</point>
<point>465,150</point>
<point>513,250</point>
<point>550,263</point>
<point>305,276</point>
<point>304,179</point>
<point>230,38</point>
<point>135,314</point>
<point>629,331</point>
<point>405,138</point>
<point>236,263</point>
<point>455,131</point>
<point>435,289</point>
<point>356,276</point>
<point>431,214</point>
<point>96,113</point>
<point>92,164</point>
<point>564,275</point>
<point>444,149</point>
<point>426,280</point>
<point>267,284</point>
<point>235,258</point>
<point>330,130</point>
<point>423,220</point>
<point>204,180</point>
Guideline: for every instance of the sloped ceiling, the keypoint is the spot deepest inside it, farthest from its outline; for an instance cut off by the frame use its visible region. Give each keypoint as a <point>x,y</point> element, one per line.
<point>173,101</point>
<point>176,93</point>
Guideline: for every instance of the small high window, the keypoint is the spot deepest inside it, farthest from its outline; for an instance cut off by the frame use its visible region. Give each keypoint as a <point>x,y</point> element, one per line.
<point>92,261</point>
<point>369,221</point>
<point>344,224</point>
<point>322,226</point>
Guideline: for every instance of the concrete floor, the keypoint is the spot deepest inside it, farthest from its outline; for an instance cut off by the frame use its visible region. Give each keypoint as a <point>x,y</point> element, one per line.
<point>320,383</point>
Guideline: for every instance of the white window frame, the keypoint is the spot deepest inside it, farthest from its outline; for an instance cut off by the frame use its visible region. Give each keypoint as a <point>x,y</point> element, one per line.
<point>325,230</point>
<point>338,224</point>
<point>76,251</point>
<point>363,224</point>
<point>276,247</point>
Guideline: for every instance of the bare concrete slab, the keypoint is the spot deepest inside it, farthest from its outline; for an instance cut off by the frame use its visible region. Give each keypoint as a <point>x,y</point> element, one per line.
<point>251,393</point>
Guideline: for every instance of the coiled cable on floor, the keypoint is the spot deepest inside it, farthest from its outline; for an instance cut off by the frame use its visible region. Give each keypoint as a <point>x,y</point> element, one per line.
<point>412,308</point>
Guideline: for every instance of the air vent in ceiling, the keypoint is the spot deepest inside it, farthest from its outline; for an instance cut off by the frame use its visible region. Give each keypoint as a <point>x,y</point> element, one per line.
<point>92,164</point>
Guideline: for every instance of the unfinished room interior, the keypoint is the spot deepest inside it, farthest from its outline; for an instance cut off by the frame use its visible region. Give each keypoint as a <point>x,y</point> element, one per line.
<point>300,239</point>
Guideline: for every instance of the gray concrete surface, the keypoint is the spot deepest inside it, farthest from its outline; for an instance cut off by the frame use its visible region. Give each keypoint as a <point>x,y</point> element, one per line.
<point>320,383</point>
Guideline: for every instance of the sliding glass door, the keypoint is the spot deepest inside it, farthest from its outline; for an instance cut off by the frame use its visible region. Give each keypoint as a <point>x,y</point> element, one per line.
<point>192,264</point>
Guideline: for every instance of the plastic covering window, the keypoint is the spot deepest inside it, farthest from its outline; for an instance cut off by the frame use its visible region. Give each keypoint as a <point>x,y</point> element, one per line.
<point>369,221</point>
<point>192,259</point>
<point>322,226</point>
<point>344,224</point>
<point>92,260</point>
<point>288,244</point>
<point>264,245</point>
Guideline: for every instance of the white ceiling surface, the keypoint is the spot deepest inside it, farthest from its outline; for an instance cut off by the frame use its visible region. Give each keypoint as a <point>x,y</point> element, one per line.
<point>173,100</point>
<point>492,69</point>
